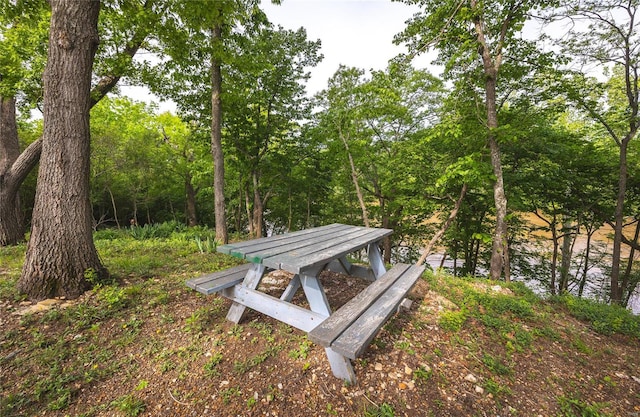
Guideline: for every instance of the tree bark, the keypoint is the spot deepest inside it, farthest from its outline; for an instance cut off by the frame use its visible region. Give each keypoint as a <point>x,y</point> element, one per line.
<point>11,223</point>
<point>192,216</point>
<point>491,65</point>
<point>12,178</point>
<point>565,264</point>
<point>216,138</point>
<point>616,289</point>
<point>61,254</point>
<point>115,208</point>
<point>585,268</point>
<point>627,285</point>
<point>258,208</point>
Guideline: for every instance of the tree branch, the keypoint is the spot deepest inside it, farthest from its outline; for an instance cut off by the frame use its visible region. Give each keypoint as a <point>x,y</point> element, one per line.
<point>444,227</point>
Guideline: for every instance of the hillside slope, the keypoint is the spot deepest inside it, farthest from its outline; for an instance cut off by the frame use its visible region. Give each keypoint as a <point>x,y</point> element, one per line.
<point>147,345</point>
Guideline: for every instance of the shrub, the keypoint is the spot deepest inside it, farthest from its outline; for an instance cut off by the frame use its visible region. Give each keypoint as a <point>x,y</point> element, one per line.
<point>452,320</point>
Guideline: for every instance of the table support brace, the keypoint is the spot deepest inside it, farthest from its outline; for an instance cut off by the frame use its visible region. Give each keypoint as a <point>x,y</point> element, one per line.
<point>291,289</point>
<point>251,281</point>
<point>375,260</point>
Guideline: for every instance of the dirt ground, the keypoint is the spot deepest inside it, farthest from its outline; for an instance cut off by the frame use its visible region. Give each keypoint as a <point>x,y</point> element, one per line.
<point>172,353</point>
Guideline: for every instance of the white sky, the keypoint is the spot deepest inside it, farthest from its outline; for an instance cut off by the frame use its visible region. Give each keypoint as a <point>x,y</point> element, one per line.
<point>355,33</point>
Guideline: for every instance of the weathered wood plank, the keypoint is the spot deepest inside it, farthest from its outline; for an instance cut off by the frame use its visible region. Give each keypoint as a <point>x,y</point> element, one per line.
<point>251,281</point>
<point>325,252</point>
<point>238,249</point>
<point>288,313</point>
<point>298,244</point>
<point>216,281</point>
<point>330,329</point>
<point>356,338</point>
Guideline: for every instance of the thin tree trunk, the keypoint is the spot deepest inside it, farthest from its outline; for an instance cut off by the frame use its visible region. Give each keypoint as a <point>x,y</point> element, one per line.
<point>499,246</point>
<point>115,210</point>
<point>61,254</point>
<point>216,137</point>
<point>442,261</point>
<point>491,65</point>
<point>290,213</point>
<point>427,250</point>
<point>308,220</point>
<point>626,278</point>
<point>506,266</point>
<point>476,254</point>
<point>247,206</point>
<point>257,207</point>
<point>386,221</point>
<point>616,289</point>
<point>192,215</point>
<point>554,260</point>
<point>354,178</point>
<point>565,263</point>
<point>11,223</point>
<point>585,269</point>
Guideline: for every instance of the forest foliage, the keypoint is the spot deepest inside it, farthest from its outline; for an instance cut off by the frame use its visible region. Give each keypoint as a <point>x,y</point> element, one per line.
<point>391,147</point>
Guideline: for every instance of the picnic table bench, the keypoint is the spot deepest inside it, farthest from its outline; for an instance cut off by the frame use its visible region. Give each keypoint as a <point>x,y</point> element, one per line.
<point>345,333</point>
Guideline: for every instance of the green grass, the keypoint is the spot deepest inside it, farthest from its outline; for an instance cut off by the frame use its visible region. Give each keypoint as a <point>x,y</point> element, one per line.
<point>52,365</point>
<point>604,318</point>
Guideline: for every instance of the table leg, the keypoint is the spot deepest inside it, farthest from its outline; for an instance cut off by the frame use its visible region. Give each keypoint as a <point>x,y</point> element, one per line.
<point>340,365</point>
<point>341,266</point>
<point>291,289</point>
<point>375,260</point>
<point>251,281</point>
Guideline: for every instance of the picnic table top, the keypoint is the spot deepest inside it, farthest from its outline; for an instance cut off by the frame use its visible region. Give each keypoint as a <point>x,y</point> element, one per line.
<point>305,249</point>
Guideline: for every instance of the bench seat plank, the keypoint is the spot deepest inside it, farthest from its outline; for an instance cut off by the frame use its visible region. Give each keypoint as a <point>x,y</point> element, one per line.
<point>217,281</point>
<point>332,327</point>
<point>350,329</point>
<point>355,340</point>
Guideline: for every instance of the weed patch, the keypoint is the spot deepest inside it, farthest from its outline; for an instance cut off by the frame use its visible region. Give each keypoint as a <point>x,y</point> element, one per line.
<point>129,405</point>
<point>571,406</point>
<point>604,318</point>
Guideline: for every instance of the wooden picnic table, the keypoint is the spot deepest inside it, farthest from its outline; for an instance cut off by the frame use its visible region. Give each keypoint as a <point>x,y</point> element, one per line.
<point>305,254</point>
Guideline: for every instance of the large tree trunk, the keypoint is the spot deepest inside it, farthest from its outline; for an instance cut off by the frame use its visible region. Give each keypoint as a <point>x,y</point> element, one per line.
<point>13,176</point>
<point>61,253</point>
<point>11,224</point>
<point>216,139</point>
